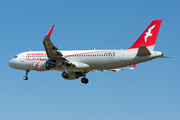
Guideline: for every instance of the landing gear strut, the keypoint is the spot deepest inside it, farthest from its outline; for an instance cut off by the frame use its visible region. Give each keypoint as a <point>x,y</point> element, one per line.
<point>65,74</point>
<point>25,77</point>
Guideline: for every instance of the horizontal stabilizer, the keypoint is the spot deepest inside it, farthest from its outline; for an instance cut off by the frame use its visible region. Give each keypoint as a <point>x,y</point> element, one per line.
<point>117,70</point>
<point>164,57</point>
<point>143,51</point>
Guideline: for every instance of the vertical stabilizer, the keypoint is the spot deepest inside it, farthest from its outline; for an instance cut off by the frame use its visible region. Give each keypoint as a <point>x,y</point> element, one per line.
<point>148,37</point>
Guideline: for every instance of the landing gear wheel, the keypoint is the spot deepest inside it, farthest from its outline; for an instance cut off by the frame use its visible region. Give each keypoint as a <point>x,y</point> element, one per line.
<point>84,80</point>
<point>65,75</point>
<point>25,78</point>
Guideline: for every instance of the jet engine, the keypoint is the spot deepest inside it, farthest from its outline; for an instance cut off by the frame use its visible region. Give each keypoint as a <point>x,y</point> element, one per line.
<point>42,65</point>
<point>72,75</point>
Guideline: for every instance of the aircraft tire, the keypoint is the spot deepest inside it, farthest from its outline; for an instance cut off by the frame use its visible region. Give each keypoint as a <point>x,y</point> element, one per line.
<point>84,80</point>
<point>25,78</point>
<point>65,75</point>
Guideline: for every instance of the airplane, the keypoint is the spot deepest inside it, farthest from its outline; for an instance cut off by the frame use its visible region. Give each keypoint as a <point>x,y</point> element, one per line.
<point>75,64</point>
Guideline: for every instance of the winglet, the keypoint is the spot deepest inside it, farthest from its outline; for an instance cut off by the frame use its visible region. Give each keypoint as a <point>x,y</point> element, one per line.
<point>164,57</point>
<point>50,31</point>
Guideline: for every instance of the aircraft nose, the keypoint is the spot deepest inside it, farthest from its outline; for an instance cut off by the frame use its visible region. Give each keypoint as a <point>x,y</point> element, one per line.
<point>11,64</point>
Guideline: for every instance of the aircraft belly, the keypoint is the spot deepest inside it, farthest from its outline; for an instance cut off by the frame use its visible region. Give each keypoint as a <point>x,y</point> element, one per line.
<point>98,63</point>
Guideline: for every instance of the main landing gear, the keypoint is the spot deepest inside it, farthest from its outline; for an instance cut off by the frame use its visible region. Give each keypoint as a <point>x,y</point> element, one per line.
<point>84,80</point>
<point>25,77</point>
<point>65,75</point>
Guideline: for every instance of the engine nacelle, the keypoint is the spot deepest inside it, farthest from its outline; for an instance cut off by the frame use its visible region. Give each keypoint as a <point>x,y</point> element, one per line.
<point>42,65</point>
<point>73,75</point>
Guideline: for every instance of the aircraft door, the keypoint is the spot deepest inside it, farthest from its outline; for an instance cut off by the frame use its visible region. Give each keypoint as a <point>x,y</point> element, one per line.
<point>123,55</point>
<point>22,58</point>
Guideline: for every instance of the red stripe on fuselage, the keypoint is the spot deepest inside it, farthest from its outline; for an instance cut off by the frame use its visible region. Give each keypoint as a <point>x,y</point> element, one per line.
<point>85,53</point>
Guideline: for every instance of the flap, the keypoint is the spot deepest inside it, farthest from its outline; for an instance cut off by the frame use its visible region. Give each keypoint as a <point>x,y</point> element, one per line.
<point>80,65</point>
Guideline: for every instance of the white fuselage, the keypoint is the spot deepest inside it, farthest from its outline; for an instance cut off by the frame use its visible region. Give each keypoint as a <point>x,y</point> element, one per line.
<point>86,60</point>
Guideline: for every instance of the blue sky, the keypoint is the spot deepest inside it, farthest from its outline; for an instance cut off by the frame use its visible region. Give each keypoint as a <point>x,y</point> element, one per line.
<point>151,91</point>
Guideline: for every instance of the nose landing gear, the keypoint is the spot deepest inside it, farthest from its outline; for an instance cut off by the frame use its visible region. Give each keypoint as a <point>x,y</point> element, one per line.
<point>25,77</point>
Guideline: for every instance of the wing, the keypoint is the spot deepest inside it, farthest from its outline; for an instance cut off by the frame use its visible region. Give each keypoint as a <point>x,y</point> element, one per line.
<point>52,51</point>
<point>57,57</point>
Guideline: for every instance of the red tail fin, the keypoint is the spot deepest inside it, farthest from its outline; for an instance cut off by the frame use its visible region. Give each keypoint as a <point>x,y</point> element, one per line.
<point>148,38</point>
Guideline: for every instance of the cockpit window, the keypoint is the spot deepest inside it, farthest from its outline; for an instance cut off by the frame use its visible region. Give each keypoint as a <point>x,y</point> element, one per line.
<point>15,57</point>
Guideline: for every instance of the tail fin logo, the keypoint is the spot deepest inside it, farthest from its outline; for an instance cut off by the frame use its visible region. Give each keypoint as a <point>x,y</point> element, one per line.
<point>149,33</point>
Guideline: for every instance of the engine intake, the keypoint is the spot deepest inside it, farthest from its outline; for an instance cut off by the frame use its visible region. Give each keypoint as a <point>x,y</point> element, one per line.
<point>42,65</point>
<point>72,75</point>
